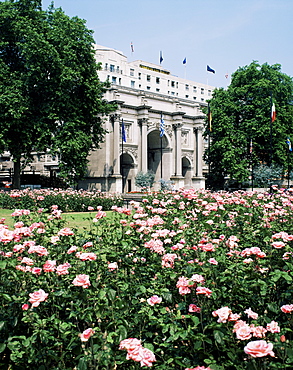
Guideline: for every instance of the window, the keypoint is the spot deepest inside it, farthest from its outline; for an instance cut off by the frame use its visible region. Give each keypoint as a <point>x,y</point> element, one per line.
<point>194,98</point>
<point>139,76</point>
<point>106,66</point>
<point>139,86</point>
<point>186,96</point>
<point>157,90</point>
<point>194,89</point>
<point>148,77</point>
<point>157,80</point>
<point>131,72</point>
<point>209,92</point>
<point>177,86</point>
<point>172,83</point>
<point>186,87</point>
<point>112,68</point>
<point>202,90</point>
<point>132,83</point>
<point>119,81</point>
<point>172,93</point>
<point>114,80</point>
<point>117,69</point>
<point>148,87</point>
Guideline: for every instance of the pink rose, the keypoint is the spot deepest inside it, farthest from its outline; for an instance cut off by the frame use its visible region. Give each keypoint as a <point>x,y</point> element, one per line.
<point>251,314</point>
<point>259,348</point>
<point>148,357</point>
<point>37,297</point>
<point>193,308</point>
<point>205,291</point>
<point>25,307</point>
<point>86,334</point>
<point>223,314</point>
<point>273,327</point>
<point>244,332</point>
<point>65,232</point>
<point>287,308</point>
<point>113,266</point>
<point>154,300</point>
<point>82,280</point>
<point>49,266</point>
<point>63,269</point>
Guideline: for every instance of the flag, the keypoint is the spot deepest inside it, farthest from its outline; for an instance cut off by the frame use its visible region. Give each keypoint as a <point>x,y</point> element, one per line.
<point>273,113</point>
<point>132,48</point>
<point>250,147</point>
<point>209,69</point>
<point>209,118</point>
<point>161,57</point>
<point>162,126</point>
<point>184,61</point>
<point>288,141</point>
<point>123,133</point>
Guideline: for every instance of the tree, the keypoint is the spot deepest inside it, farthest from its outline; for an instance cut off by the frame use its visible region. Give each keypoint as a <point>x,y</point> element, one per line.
<point>51,98</point>
<point>241,131</point>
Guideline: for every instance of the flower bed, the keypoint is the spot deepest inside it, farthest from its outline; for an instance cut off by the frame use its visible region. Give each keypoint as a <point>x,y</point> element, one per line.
<point>67,200</point>
<point>187,280</point>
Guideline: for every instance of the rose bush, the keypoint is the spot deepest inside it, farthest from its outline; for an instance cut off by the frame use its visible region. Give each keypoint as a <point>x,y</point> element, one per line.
<point>187,280</point>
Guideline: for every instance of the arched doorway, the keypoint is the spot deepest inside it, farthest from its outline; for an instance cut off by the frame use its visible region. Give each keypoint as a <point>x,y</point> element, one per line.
<point>186,171</point>
<point>158,155</point>
<point>127,172</point>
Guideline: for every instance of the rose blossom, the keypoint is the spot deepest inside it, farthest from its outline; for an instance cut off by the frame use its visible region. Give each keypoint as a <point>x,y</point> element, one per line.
<point>147,357</point>
<point>244,332</point>
<point>63,269</point>
<point>25,307</point>
<point>193,308</point>
<point>154,300</point>
<point>86,334</point>
<point>82,280</point>
<point>223,314</point>
<point>251,314</point>
<point>259,348</point>
<point>202,290</point>
<point>113,266</point>
<point>287,308</point>
<point>273,327</point>
<point>49,266</point>
<point>37,297</point>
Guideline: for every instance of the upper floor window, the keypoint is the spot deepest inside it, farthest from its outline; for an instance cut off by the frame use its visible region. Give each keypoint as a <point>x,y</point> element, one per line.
<point>157,80</point>
<point>114,80</point>
<point>112,68</point>
<point>131,72</point>
<point>148,77</point>
<point>132,83</point>
<point>186,87</point>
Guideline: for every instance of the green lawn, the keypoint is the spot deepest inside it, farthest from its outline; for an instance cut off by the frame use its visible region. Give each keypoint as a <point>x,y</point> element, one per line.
<point>82,220</point>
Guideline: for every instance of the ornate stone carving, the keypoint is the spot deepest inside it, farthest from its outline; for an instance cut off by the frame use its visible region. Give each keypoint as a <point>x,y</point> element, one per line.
<point>142,121</point>
<point>115,117</point>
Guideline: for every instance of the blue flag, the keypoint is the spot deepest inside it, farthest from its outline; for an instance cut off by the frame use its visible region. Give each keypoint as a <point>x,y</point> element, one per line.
<point>184,61</point>
<point>161,57</point>
<point>209,69</point>
<point>123,131</point>
<point>162,127</point>
<point>288,141</point>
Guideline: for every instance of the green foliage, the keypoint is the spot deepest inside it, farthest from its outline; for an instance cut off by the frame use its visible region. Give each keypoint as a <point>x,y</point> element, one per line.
<point>227,239</point>
<point>50,94</point>
<point>145,180</point>
<point>241,114</point>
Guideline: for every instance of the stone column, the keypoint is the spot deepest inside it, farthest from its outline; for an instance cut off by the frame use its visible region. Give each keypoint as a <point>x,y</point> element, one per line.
<point>178,150</point>
<point>116,143</point>
<point>199,151</point>
<point>143,122</point>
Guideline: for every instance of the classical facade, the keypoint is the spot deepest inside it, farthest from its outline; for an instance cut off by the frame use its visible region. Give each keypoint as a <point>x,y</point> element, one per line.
<point>145,94</point>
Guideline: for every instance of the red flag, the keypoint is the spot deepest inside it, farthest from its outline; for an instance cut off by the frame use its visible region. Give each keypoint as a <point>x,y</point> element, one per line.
<point>273,114</point>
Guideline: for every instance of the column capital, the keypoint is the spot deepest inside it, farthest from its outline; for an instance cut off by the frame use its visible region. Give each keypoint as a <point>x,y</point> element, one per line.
<point>198,129</point>
<point>142,121</point>
<point>177,125</point>
<point>115,117</point>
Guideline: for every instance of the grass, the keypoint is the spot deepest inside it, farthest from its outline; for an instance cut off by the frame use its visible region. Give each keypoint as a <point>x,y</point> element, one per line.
<point>81,220</point>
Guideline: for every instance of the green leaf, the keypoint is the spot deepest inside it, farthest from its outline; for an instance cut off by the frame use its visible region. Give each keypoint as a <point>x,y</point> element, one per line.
<point>2,347</point>
<point>82,364</point>
<point>219,336</point>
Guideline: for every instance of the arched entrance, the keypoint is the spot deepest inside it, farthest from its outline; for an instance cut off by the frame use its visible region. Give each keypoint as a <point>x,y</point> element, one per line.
<point>127,171</point>
<point>186,171</point>
<point>158,156</point>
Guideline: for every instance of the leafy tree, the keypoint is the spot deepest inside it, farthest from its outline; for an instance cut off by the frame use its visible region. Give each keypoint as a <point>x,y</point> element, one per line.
<point>50,94</point>
<point>241,116</point>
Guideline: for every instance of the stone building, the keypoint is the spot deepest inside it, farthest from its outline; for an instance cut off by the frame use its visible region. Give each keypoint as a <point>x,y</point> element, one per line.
<point>145,94</point>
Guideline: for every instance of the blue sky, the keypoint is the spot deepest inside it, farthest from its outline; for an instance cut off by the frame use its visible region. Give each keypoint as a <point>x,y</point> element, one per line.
<point>224,34</point>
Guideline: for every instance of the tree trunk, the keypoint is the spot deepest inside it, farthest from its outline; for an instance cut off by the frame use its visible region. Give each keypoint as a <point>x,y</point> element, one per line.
<point>16,175</point>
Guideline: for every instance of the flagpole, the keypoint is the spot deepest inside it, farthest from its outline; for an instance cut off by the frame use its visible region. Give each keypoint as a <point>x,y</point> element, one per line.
<point>121,161</point>
<point>288,160</point>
